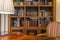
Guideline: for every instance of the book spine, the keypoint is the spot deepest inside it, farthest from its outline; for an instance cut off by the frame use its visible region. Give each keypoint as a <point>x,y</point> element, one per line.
<point>21,3</point>
<point>18,23</point>
<point>17,2</point>
<point>16,12</point>
<point>15,23</point>
<point>45,2</point>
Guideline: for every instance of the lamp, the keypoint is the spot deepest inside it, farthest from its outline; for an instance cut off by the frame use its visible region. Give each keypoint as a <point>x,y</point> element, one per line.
<point>6,7</point>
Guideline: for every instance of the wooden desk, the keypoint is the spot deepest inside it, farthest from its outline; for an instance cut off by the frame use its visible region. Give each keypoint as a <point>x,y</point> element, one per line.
<point>16,37</point>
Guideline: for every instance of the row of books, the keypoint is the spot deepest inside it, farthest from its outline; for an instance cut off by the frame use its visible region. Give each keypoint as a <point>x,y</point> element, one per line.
<point>34,13</point>
<point>29,32</point>
<point>44,21</point>
<point>44,13</point>
<point>45,2</point>
<point>19,12</point>
<point>28,22</point>
<point>17,22</point>
<point>31,12</point>
<point>32,2</point>
<point>31,22</point>
<point>18,2</point>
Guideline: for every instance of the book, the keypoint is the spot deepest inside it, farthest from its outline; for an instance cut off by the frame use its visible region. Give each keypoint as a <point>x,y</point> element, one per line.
<point>35,3</point>
<point>27,23</point>
<point>21,3</point>
<point>33,22</point>
<point>14,2</point>
<point>46,14</point>
<point>42,21</point>
<point>35,13</point>
<point>49,13</point>
<point>42,2</point>
<point>42,12</point>
<point>32,12</point>
<point>21,12</point>
<point>15,12</point>
<point>18,22</point>
<point>28,13</point>
<point>28,0</point>
<point>15,23</point>
<point>50,2</point>
<point>46,2</point>
<point>17,2</point>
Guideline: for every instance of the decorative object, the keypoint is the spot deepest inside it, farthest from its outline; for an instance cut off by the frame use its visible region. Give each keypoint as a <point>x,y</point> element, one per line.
<point>6,7</point>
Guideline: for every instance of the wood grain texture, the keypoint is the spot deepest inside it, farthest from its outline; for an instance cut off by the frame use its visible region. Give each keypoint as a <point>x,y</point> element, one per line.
<point>17,37</point>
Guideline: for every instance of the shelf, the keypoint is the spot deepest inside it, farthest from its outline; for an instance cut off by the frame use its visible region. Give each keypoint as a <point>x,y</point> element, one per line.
<point>31,5</point>
<point>31,16</point>
<point>26,6</point>
<point>43,28</point>
<point>46,16</point>
<point>14,28</point>
<point>44,34</point>
<point>17,6</point>
<point>46,5</point>
<point>32,28</point>
<point>17,17</point>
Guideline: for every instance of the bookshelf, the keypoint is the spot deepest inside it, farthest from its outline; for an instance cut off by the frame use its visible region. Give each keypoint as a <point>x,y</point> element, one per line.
<point>32,16</point>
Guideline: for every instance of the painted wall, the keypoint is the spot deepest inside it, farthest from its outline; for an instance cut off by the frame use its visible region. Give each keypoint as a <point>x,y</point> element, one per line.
<point>58,10</point>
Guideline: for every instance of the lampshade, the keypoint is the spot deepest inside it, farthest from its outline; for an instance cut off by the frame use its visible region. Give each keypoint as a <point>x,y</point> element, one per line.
<point>6,7</point>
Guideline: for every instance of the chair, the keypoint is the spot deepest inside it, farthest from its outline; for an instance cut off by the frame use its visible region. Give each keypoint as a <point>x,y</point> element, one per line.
<point>53,30</point>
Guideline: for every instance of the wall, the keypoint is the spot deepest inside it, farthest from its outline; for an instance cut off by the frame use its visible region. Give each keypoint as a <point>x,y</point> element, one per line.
<point>58,10</point>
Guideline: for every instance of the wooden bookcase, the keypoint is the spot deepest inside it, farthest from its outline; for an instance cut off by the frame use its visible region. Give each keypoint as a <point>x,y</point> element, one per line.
<point>32,16</point>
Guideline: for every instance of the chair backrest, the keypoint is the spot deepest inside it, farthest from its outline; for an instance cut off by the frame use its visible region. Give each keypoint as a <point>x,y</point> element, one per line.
<point>53,29</point>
